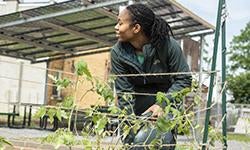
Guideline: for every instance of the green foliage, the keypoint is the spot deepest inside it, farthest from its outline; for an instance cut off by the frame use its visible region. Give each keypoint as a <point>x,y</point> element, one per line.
<point>60,83</point>
<point>239,86</point>
<point>100,122</point>
<point>105,91</point>
<point>87,143</point>
<point>162,98</point>
<point>114,110</point>
<point>60,137</point>
<point>52,113</point>
<point>68,102</point>
<point>3,142</point>
<point>156,144</point>
<point>197,99</point>
<point>214,135</point>
<point>137,124</point>
<point>61,114</point>
<point>240,50</point>
<point>164,125</point>
<point>239,56</point>
<point>174,116</point>
<point>82,69</point>
<point>58,112</point>
<point>239,137</point>
<point>179,96</point>
<point>128,98</point>
<point>184,147</point>
<point>196,92</point>
<point>40,113</point>
<point>126,130</point>
<point>177,99</point>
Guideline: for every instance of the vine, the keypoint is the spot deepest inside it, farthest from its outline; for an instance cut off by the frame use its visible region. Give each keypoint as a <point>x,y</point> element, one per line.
<point>176,116</point>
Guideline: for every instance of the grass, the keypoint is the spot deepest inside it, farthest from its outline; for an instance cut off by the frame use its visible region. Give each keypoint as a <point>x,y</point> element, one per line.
<point>239,137</point>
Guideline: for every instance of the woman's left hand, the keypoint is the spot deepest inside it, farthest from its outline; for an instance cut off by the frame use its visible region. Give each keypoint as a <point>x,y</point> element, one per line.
<point>155,109</point>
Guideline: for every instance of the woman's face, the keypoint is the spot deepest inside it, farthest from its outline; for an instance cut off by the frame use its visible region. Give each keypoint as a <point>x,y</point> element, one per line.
<point>124,29</point>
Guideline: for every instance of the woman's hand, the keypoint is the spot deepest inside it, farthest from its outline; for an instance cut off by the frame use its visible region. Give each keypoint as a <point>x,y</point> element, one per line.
<point>155,109</point>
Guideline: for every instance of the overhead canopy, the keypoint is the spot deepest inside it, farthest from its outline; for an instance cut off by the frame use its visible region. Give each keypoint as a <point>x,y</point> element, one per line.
<point>75,27</point>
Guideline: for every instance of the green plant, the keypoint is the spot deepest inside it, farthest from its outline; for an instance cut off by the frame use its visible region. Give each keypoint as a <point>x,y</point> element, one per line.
<point>3,142</point>
<point>61,136</point>
<point>175,116</point>
<point>239,137</point>
<point>239,75</point>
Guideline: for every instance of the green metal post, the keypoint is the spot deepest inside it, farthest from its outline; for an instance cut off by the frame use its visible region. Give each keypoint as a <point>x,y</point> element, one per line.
<point>223,58</point>
<point>211,84</point>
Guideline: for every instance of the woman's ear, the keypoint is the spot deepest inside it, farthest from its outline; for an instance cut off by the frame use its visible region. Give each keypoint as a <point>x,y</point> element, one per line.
<point>137,28</point>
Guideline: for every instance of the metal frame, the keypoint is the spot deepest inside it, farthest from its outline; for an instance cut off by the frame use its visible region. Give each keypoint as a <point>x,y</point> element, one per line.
<point>28,40</point>
<point>221,6</point>
<point>63,12</point>
<point>47,22</point>
<point>58,32</point>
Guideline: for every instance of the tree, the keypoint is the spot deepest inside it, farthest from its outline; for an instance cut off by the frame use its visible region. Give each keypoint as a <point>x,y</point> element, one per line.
<point>240,85</point>
<point>239,56</point>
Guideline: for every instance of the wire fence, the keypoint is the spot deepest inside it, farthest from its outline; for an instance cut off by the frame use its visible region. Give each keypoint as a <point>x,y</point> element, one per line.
<point>110,75</point>
<point>51,84</point>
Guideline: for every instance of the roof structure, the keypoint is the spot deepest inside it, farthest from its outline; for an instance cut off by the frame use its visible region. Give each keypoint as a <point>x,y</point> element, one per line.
<point>80,27</point>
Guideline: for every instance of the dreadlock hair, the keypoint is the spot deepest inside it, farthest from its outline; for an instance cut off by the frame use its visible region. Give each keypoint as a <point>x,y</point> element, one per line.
<point>153,26</point>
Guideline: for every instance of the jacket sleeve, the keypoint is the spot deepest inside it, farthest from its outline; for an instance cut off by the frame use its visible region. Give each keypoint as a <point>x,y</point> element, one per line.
<point>122,83</point>
<point>177,63</point>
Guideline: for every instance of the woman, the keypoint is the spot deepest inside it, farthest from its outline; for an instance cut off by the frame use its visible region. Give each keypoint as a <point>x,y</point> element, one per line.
<point>145,46</point>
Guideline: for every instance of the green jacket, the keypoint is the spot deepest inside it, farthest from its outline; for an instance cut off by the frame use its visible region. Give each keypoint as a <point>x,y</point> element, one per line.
<point>165,60</point>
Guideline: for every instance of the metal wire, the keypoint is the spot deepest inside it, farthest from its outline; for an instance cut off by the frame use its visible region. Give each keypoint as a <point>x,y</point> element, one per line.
<point>161,74</point>
<point>119,75</point>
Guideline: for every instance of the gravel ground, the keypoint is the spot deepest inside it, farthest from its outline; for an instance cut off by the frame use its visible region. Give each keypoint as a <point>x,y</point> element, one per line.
<point>11,133</point>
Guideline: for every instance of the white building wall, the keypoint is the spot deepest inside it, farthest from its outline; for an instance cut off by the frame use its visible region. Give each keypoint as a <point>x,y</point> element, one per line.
<point>34,75</point>
<point>32,83</point>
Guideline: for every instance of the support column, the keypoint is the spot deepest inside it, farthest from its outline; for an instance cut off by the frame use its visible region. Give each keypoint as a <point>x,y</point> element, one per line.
<point>198,115</point>
<point>213,67</point>
<point>19,92</point>
<point>201,59</point>
<point>223,59</point>
<point>45,102</point>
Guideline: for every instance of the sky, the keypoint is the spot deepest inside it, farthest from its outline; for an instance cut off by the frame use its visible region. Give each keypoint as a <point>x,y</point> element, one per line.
<point>238,17</point>
<point>238,13</point>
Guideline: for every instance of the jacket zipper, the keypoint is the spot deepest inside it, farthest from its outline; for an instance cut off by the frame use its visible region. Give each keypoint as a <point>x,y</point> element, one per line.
<point>133,65</point>
<point>136,68</point>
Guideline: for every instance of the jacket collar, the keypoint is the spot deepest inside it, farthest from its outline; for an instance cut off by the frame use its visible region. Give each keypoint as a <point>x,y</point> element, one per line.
<point>128,51</point>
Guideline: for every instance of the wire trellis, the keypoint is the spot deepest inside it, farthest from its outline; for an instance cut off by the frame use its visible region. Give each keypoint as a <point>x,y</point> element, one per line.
<point>132,93</point>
